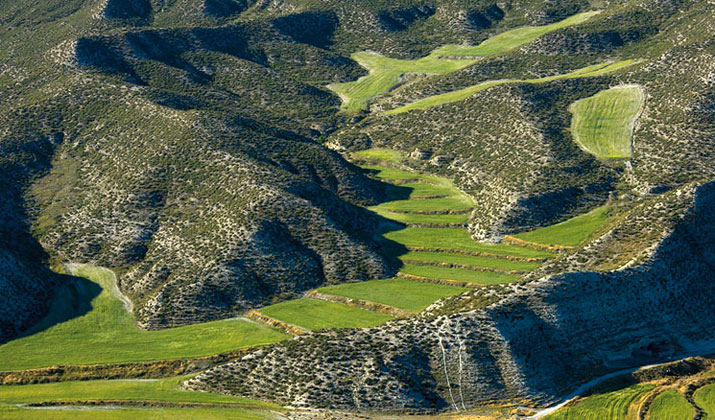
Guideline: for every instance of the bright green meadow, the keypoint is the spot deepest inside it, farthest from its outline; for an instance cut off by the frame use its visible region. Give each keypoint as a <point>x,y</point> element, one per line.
<point>400,293</point>
<point>469,260</point>
<point>705,399</point>
<point>603,123</point>
<point>671,405</point>
<point>313,314</point>
<point>458,274</point>
<point>572,232</point>
<point>611,405</point>
<point>107,332</point>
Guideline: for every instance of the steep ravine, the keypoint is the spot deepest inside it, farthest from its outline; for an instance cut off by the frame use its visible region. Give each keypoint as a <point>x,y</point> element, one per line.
<point>532,347</point>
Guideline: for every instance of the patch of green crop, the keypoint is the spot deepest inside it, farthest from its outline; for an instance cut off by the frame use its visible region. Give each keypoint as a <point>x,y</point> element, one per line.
<point>470,260</point>
<point>610,405</point>
<point>461,94</point>
<point>95,413</point>
<point>107,333</point>
<point>421,189</point>
<point>384,73</point>
<point>457,239</point>
<point>603,123</point>
<point>387,155</point>
<point>315,314</point>
<point>401,293</point>
<point>705,399</point>
<point>386,173</point>
<point>426,219</point>
<point>436,204</point>
<point>511,39</point>
<point>164,390</point>
<point>572,232</point>
<point>458,274</point>
<point>671,405</point>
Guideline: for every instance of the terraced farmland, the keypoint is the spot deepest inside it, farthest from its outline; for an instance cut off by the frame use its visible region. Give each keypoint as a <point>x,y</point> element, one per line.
<point>133,413</point>
<point>612,405</point>
<point>603,123</point>
<point>461,94</point>
<point>571,232</point>
<point>671,405</point>
<point>107,333</point>
<point>385,73</point>
<point>705,399</point>
<point>312,314</point>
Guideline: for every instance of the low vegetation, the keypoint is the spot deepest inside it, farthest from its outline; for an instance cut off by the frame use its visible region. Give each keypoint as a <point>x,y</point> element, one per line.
<point>603,123</point>
<point>312,314</point>
<point>572,232</point>
<point>400,293</point>
<point>458,274</point>
<point>385,73</point>
<point>469,260</point>
<point>705,399</point>
<point>107,333</point>
<point>671,405</point>
<point>458,95</point>
<point>612,405</point>
<point>457,240</point>
<point>89,413</point>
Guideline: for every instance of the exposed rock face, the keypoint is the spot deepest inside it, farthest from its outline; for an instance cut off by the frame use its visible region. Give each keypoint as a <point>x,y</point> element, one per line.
<point>535,344</point>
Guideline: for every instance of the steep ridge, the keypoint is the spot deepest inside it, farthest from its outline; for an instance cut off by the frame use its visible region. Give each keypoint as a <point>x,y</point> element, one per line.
<point>533,345</point>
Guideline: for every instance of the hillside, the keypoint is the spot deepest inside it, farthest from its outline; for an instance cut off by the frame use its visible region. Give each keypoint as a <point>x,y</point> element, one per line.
<point>410,206</point>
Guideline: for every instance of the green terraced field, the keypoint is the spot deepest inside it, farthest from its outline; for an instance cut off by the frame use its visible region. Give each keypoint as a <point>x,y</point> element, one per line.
<point>421,189</point>
<point>164,390</point>
<point>513,38</point>
<point>611,405</point>
<point>400,293</point>
<point>313,314</point>
<point>107,333</point>
<point>457,239</point>
<point>458,274</point>
<point>387,155</point>
<point>427,219</point>
<point>458,95</point>
<point>183,413</point>
<point>437,204</point>
<point>386,173</point>
<point>603,123</point>
<point>384,73</point>
<point>470,260</point>
<point>671,405</point>
<point>572,232</point>
<point>705,399</point>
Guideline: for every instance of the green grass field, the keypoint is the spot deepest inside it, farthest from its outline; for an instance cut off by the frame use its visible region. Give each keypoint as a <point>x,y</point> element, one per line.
<point>458,274</point>
<point>387,174</point>
<point>384,73</point>
<point>184,413</point>
<point>705,399</point>
<point>458,95</point>
<point>387,155</point>
<point>313,314</point>
<point>671,405</point>
<point>572,232</point>
<point>427,219</point>
<point>400,293</point>
<point>421,189</point>
<point>458,203</point>
<point>511,39</point>
<point>470,260</point>
<point>603,123</point>
<point>164,390</point>
<point>457,239</point>
<point>611,405</point>
<point>107,334</point>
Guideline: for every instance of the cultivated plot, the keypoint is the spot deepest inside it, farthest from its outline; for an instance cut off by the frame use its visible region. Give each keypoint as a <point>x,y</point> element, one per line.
<point>107,333</point>
<point>612,405</point>
<point>671,405</point>
<point>400,293</point>
<point>572,232</point>
<point>385,73</point>
<point>603,124</point>
<point>313,314</point>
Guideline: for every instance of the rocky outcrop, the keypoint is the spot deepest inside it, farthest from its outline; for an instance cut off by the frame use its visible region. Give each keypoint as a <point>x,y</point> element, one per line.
<point>534,345</point>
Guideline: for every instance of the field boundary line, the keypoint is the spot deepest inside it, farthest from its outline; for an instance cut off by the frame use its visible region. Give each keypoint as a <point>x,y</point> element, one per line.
<point>291,329</point>
<point>434,212</point>
<point>464,266</point>
<point>478,254</point>
<point>438,281</point>
<point>359,303</point>
<point>511,240</point>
